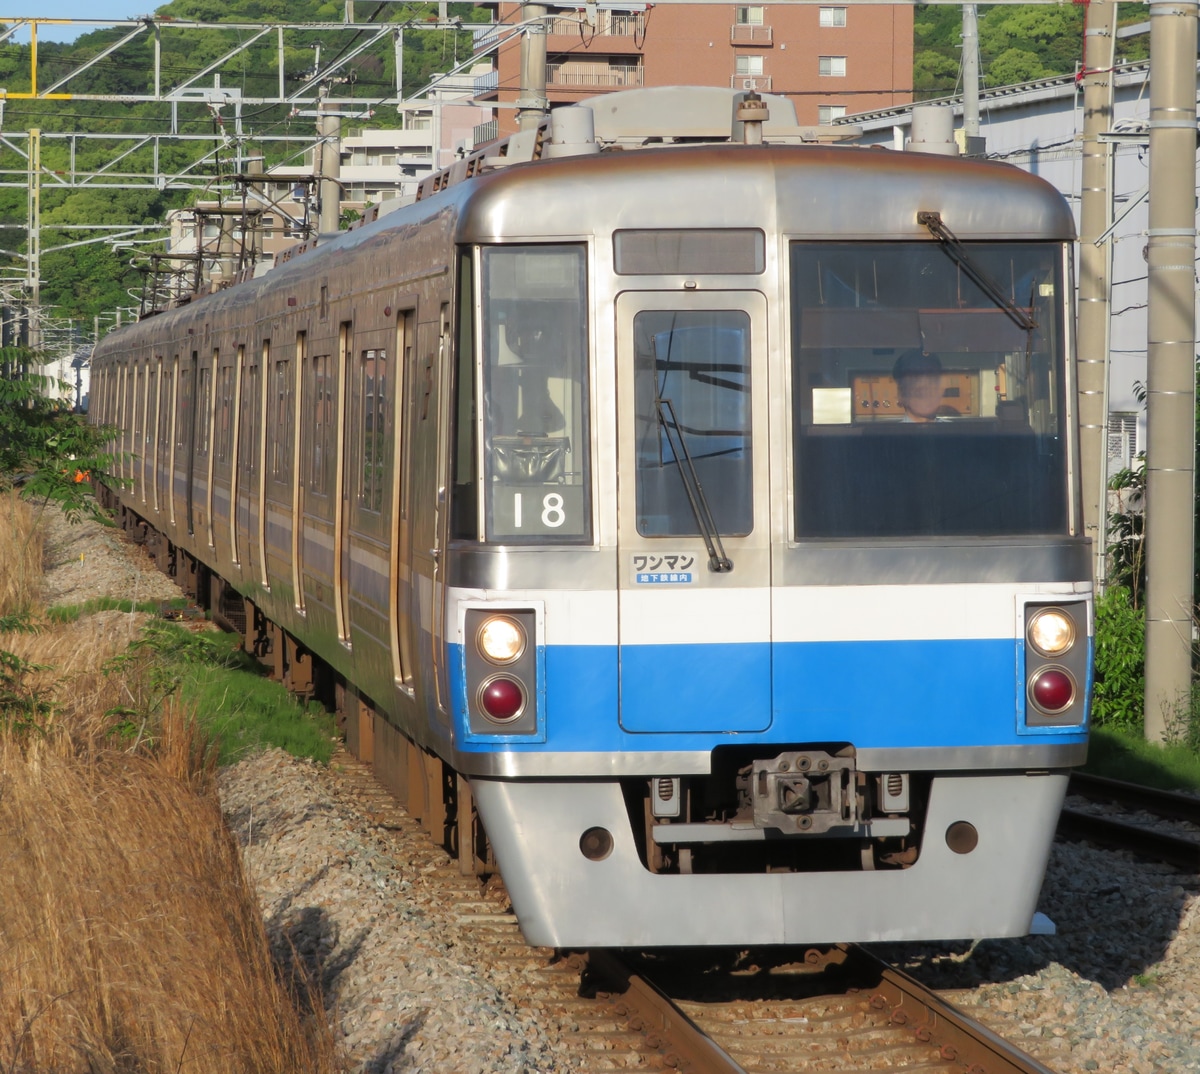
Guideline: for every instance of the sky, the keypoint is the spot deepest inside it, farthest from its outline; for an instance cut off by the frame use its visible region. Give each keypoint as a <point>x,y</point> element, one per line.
<point>72,9</point>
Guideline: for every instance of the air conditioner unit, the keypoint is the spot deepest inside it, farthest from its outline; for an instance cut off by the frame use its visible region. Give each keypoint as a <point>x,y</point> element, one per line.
<point>749,83</point>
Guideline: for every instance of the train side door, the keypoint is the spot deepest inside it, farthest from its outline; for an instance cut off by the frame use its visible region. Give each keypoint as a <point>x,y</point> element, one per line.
<point>344,467</point>
<point>404,640</point>
<point>247,464</point>
<point>694,565</point>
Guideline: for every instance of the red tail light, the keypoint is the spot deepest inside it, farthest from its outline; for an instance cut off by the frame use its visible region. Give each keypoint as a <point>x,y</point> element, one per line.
<point>1052,690</point>
<point>502,698</point>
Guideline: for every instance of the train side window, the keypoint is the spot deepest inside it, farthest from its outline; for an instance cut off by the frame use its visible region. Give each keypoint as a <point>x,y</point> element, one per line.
<point>281,441</point>
<point>464,512</point>
<point>203,406</point>
<point>375,436</point>
<point>534,345</point>
<point>224,433</point>
<point>248,437</point>
<point>320,391</point>
<point>186,409</point>
<point>405,340</point>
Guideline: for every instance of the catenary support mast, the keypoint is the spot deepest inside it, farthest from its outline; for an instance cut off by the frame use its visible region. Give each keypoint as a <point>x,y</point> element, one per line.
<point>1171,362</point>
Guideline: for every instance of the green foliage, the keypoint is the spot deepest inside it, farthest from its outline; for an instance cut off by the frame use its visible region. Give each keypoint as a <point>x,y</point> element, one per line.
<point>24,708</point>
<point>1126,550</point>
<point>1119,693</point>
<point>71,613</point>
<point>1127,755</point>
<point>84,281</point>
<point>1017,43</point>
<point>43,445</point>
<point>236,704</point>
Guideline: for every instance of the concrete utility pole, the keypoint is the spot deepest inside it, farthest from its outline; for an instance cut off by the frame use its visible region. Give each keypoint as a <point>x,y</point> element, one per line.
<point>533,104</point>
<point>1095,215</point>
<point>972,142</point>
<point>1171,362</point>
<point>34,230</point>
<point>329,130</point>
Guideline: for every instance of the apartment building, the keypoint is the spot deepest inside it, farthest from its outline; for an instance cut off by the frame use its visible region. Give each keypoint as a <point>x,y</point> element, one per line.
<point>828,60</point>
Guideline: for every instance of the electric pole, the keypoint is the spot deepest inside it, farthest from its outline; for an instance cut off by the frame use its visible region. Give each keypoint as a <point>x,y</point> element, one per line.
<point>533,104</point>
<point>972,141</point>
<point>1171,364</point>
<point>1095,215</point>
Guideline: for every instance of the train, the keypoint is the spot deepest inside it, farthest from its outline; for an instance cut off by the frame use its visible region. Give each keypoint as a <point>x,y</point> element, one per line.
<point>594,486</point>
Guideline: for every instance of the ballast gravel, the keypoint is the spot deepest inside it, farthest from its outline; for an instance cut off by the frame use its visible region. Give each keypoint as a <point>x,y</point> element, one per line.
<point>1117,988</point>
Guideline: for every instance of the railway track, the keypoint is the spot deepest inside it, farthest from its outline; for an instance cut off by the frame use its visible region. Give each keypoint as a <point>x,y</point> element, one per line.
<point>838,1008</point>
<point>708,1012</point>
<point>1180,848</point>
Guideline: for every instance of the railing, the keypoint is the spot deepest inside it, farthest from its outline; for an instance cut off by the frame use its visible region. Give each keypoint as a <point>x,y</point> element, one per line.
<point>593,75</point>
<point>608,24</point>
<point>485,132</point>
<point>747,33</point>
<point>761,83</point>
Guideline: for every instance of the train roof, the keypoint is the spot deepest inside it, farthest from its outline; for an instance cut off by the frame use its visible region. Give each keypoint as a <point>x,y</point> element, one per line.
<point>676,158</point>
<point>809,191</point>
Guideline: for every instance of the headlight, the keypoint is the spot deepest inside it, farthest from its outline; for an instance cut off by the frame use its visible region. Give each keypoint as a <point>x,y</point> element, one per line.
<point>501,639</point>
<point>1051,632</point>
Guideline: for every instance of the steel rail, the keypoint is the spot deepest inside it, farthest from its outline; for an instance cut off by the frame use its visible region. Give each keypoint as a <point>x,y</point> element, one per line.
<point>1168,804</point>
<point>684,1045</point>
<point>1117,835</point>
<point>957,1037</point>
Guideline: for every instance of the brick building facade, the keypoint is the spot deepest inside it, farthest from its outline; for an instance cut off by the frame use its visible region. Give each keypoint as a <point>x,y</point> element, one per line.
<point>828,60</point>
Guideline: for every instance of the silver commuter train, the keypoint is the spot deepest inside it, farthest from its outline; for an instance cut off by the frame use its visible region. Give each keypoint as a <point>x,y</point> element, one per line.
<point>591,480</point>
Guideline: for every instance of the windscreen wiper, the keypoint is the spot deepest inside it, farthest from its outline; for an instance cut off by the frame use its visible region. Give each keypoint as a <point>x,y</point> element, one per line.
<point>958,254</point>
<point>718,562</point>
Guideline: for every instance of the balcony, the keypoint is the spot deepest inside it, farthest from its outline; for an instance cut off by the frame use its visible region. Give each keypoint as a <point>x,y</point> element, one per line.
<point>750,33</point>
<point>608,24</point>
<point>485,132</point>
<point>759,83</point>
<point>593,75</point>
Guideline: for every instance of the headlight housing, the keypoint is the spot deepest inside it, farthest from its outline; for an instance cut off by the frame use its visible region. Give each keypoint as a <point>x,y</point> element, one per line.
<point>501,639</point>
<point>1051,632</point>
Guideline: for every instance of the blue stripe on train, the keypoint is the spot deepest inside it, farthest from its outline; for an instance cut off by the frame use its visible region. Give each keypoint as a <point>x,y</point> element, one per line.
<point>873,694</point>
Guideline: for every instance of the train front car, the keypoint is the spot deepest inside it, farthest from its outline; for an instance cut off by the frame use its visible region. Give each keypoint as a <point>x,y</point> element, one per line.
<point>769,613</point>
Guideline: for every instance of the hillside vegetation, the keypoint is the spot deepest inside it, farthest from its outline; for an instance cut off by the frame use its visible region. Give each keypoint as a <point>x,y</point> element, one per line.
<point>84,281</point>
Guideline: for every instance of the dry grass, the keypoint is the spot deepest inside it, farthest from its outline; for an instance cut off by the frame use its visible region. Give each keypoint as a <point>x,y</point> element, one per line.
<point>130,940</point>
<point>20,555</point>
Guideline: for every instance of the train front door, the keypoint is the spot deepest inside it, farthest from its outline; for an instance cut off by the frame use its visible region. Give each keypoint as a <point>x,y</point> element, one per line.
<point>694,549</point>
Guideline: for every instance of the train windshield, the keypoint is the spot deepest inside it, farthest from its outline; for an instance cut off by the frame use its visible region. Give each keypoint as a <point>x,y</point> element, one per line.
<point>535,393</point>
<point>928,390</point>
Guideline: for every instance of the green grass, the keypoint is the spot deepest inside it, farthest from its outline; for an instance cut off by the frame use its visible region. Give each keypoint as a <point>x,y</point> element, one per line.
<point>70,613</point>
<point>1122,755</point>
<point>233,699</point>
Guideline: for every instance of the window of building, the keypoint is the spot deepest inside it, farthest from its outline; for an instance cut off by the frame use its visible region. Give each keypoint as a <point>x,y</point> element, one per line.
<point>827,113</point>
<point>833,16</point>
<point>750,16</point>
<point>749,65</point>
<point>833,66</point>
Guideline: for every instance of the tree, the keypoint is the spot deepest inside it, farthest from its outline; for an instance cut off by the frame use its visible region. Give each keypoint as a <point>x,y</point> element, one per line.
<point>1017,43</point>
<point>45,449</point>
